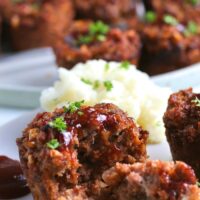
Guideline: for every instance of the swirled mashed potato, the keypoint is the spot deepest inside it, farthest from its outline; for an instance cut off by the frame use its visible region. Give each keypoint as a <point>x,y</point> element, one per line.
<point>119,83</point>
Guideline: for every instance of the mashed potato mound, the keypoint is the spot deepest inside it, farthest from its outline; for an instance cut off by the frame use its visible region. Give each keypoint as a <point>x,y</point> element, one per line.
<point>120,83</point>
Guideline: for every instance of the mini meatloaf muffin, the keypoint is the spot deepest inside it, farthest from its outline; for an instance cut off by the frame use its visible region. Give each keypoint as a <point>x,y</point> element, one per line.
<point>153,180</point>
<point>169,45</point>
<point>95,40</point>
<point>182,122</point>
<point>36,23</point>
<point>64,153</point>
<point>183,10</point>
<point>106,10</point>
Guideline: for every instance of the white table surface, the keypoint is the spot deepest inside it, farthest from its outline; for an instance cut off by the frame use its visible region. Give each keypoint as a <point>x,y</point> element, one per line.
<point>7,114</point>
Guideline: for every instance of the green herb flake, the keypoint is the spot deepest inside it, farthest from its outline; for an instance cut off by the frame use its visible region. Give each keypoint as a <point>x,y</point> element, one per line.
<point>86,81</point>
<point>53,144</point>
<point>107,66</point>
<point>101,38</point>
<point>193,2</point>
<point>17,1</point>
<point>97,31</point>
<point>96,85</point>
<point>108,85</point>
<point>75,106</point>
<point>125,64</point>
<point>80,113</point>
<point>198,183</point>
<point>150,16</point>
<point>98,28</point>
<point>196,101</point>
<point>59,124</point>
<point>171,20</point>
<point>85,39</point>
<point>192,27</point>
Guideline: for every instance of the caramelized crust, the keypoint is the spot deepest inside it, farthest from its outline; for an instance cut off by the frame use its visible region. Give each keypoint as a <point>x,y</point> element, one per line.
<point>182,122</point>
<point>35,23</point>
<point>166,48</point>
<point>153,180</point>
<point>118,46</point>
<point>170,47</point>
<point>93,142</point>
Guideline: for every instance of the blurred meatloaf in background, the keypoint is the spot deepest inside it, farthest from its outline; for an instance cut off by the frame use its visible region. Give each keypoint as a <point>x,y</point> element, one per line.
<point>167,48</point>
<point>35,23</point>
<point>64,153</point>
<point>105,10</point>
<point>168,44</point>
<point>96,40</point>
<point>182,122</point>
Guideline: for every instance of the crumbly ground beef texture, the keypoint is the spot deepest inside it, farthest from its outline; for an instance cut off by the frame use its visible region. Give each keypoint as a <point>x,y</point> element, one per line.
<point>152,180</point>
<point>95,139</point>
<point>118,45</point>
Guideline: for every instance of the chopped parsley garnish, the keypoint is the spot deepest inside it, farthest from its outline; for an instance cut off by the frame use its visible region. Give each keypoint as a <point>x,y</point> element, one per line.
<point>125,64</point>
<point>107,66</point>
<point>150,16</point>
<point>86,81</point>
<point>97,31</point>
<point>96,85</point>
<point>85,39</point>
<point>108,85</point>
<point>74,106</point>
<point>98,28</point>
<point>171,20</point>
<point>193,2</point>
<point>80,113</point>
<point>59,124</point>
<point>101,38</point>
<point>17,1</point>
<point>198,183</point>
<point>196,101</point>
<point>53,144</point>
<point>191,29</point>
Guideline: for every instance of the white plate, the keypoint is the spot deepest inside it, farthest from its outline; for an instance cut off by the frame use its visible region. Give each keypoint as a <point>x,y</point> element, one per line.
<point>24,75</point>
<point>13,129</point>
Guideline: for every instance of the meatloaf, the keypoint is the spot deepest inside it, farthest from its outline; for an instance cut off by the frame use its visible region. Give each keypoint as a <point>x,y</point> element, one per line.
<point>64,153</point>
<point>167,47</point>
<point>106,10</point>
<point>96,40</point>
<point>182,122</point>
<point>152,180</point>
<point>34,23</point>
